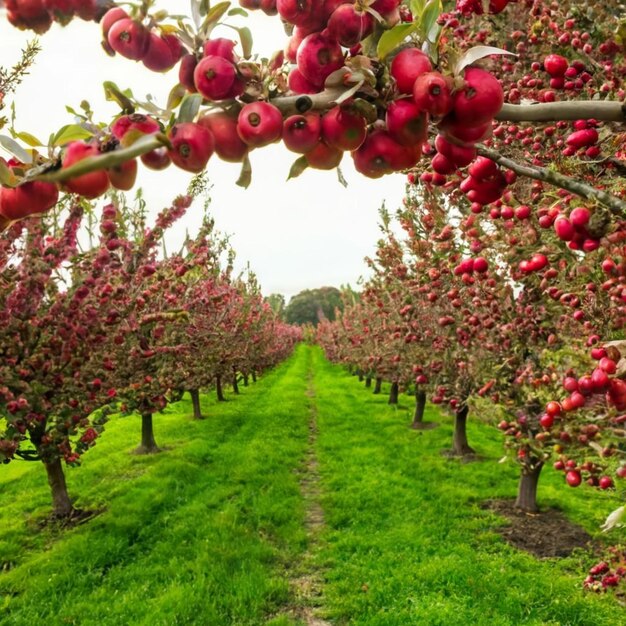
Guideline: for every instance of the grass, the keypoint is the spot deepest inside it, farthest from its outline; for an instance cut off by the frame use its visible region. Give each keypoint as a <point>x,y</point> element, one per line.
<point>406,540</point>
<point>207,532</point>
<point>198,534</point>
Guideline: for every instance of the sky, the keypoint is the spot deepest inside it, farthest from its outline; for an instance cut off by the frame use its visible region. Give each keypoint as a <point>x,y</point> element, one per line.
<point>297,234</point>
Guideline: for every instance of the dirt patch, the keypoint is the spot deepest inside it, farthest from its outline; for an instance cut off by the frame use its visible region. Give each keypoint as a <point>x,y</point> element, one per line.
<point>76,518</point>
<point>545,534</point>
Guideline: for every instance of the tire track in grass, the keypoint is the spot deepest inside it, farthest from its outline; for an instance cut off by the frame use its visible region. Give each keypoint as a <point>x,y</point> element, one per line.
<point>305,577</point>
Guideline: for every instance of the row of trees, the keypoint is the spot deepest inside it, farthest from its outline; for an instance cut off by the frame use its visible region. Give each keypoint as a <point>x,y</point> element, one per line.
<point>449,315</point>
<point>112,326</point>
<point>509,282</point>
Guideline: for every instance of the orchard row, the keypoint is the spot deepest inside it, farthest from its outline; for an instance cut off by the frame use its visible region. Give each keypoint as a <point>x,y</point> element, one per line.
<point>453,316</point>
<point>113,327</point>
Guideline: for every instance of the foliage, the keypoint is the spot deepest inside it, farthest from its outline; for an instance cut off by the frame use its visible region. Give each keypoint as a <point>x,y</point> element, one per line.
<point>313,305</point>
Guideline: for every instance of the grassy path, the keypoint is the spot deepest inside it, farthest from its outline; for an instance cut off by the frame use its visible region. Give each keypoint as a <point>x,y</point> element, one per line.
<point>305,501</point>
<point>200,534</point>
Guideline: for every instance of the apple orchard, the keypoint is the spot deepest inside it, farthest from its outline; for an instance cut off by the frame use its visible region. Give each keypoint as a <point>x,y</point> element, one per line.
<point>498,289</point>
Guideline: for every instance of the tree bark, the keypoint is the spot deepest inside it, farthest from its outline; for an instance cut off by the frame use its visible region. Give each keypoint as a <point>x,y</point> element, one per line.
<point>235,383</point>
<point>378,385</point>
<point>245,380</point>
<point>195,401</point>
<point>360,375</point>
<point>527,489</point>
<point>460,445</point>
<point>253,376</point>
<point>61,503</point>
<point>393,394</point>
<point>148,444</point>
<point>218,389</point>
<point>368,382</point>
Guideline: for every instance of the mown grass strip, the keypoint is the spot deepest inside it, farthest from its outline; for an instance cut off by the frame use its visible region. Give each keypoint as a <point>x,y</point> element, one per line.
<point>198,534</point>
<point>406,542</point>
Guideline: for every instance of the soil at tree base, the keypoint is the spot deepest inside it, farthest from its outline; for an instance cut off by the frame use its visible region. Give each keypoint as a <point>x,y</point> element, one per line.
<point>545,534</point>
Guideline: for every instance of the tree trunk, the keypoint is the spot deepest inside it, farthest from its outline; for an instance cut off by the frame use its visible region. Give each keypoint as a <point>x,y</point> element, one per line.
<point>61,503</point>
<point>360,375</point>
<point>418,422</point>
<point>393,394</point>
<point>420,405</point>
<point>527,489</point>
<point>368,382</point>
<point>253,376</point>
<point>148,444</point>
<point>235,383</point>
<point>218,389</point>
<point>460,445</point>
<point>245,380</point>
<point>195,401</point>
<point>378,385</point>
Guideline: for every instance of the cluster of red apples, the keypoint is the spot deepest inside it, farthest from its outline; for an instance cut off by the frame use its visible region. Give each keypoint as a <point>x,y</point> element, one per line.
<point>326,35</point>
<point>38,15</point>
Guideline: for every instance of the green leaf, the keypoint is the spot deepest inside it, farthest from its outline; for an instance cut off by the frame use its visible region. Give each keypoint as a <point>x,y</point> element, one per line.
<point>214,15</point>
<point>392,38</point>
<point>245,36</point>
<point>245,177</point>
<point>431,13</point>
<point>417,8</point>
<point>189,108</point>
<point>299,165</point>
<point>28,139</point>
<point>70,132</point>
<point>7,177</point>
<point>113,93</point>
<point>175,97</point>
<point>14,148</point>
<point>238,11</point>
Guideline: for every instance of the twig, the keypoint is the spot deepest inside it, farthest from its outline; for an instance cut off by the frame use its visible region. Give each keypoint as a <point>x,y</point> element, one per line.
<point>604,110</point>
<point>617,206</point>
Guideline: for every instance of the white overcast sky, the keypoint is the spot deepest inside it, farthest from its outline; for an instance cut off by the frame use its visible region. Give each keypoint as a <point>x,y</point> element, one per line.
<point>296,235</point>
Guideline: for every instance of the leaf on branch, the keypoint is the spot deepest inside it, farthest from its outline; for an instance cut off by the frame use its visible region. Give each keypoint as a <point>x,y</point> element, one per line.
<point>14,148</point>
<point>113,93</point>
<point>237,11</point>
<point>299,165</point>
<point>175,97</point>
<point>7,177</point>
<point>68,133</point>
<point>189,108</point>
<point>213,16</point>
<point>475,54</point>
<point>27,138</point>
<point>245,177</point>
<point>417,7</point>
<point>430,15</point>
<point>393,37</point>
<point>245,36</point>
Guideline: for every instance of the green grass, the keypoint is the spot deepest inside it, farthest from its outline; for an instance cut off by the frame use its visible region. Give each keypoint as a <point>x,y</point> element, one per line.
<point>199,534</point>
<point>407,542</point>
<point>206,532</point>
